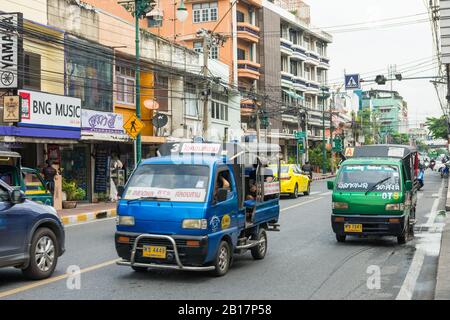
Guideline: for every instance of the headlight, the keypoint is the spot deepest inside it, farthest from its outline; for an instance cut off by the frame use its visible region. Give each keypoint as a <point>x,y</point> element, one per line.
<point>395,207</point>
<point>340,205</point>
<point>125,221</point>
<point>195,224</point>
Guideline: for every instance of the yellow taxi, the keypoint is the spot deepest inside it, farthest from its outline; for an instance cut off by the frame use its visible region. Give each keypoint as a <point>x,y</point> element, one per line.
<point>292,180</point>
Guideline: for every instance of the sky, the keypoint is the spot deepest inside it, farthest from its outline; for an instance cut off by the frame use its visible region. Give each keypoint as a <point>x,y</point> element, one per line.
<point>410,47</point>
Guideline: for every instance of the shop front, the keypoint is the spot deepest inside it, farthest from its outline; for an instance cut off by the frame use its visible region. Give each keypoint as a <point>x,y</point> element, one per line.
<point>109,153</point>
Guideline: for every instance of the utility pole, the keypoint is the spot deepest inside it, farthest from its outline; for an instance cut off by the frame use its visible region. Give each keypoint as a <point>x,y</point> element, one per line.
<point>332,106</point>
<point>205,74</point>
<point>324,150</point>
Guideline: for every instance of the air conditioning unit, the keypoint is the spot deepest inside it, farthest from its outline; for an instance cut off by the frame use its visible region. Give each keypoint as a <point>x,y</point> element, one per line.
<point>155,18</point>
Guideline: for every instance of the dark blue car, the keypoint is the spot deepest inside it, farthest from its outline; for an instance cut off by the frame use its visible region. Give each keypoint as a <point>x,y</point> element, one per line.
<point>31,234</point>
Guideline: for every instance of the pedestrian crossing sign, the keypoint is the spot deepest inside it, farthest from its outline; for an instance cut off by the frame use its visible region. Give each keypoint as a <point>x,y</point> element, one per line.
<point>352,81</point>
<point>133,126</point>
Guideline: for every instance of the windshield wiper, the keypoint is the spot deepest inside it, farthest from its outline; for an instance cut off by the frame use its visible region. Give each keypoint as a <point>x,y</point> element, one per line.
<point>379,182</point>
<point>149,199</point>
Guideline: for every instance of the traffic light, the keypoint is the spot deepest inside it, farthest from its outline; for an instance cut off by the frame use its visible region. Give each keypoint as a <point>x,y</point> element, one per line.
<point>380,79</point>
<point>399,76</point>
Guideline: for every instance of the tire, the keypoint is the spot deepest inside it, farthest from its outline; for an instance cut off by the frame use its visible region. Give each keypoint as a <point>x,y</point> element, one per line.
<point>43,255</point>
<point>259,252</point>
<point>222,260</point>
<point>340,237</point>
<point>308,191</point>
<point>294,195</point>
<point>139,269</point>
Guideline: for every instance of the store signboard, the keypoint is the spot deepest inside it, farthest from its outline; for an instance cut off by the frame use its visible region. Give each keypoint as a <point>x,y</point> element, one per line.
<point>10,49</point>
<point>102,126</point>
<point>44,110</point>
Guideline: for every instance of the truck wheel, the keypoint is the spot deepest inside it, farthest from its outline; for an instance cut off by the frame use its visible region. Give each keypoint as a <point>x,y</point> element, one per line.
<point>222,260</point>
<point>259,252</point>
<point>308,190</point>
<point>294,195</point>
<point>340,237</point>
<point>43,255</point>
<point>139,269</point>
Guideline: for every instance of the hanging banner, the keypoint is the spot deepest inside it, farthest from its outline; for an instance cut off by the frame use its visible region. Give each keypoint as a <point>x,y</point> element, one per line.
<point>10,49</point>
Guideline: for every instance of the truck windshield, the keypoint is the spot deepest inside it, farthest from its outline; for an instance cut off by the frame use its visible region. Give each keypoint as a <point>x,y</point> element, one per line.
<point>179,183</point>
<point>362,178</point>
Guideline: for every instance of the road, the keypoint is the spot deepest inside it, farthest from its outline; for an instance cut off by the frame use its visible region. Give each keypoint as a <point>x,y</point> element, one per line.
<point>304,261</point>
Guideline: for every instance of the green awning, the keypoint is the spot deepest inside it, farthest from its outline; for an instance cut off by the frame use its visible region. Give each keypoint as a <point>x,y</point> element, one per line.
<point>293,95</point>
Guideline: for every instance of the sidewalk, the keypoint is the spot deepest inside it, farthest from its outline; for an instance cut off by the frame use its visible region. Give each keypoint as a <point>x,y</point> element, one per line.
<point>321,176</point>
<point>88,212</point>
<point>442,291</point>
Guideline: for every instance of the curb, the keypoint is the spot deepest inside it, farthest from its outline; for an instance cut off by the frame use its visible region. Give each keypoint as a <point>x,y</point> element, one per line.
<point>442,290</point>
<point>88,216</point>
<point>447,202</point>
<point>323,178</point>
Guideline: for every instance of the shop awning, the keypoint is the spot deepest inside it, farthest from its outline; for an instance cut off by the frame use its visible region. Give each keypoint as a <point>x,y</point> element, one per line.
<point>293,95</point>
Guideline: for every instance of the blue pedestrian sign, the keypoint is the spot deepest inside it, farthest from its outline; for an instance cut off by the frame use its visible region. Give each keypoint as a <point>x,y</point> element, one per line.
<point>352,81</point>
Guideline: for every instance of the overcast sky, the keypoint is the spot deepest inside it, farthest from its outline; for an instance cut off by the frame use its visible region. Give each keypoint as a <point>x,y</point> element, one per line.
<point>371,50</point>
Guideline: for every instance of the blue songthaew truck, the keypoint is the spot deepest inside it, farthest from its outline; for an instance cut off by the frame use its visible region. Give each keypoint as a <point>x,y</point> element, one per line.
<point>196,204</point>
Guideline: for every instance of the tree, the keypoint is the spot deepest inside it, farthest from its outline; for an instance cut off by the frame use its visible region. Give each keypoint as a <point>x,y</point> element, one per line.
<point>438,127</point>
<point>400,138</point>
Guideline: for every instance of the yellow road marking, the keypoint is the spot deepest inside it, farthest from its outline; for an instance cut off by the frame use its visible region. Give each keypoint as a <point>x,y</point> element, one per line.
<point>301,204</point>
<point>53,279</point>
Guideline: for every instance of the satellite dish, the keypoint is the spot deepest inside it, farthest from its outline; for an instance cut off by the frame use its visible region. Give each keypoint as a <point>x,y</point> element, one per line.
<point>151,104</point>
<point>160,120</point>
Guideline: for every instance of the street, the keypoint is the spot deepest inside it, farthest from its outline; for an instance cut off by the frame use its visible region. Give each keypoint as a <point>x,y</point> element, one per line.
<point>304,261</point>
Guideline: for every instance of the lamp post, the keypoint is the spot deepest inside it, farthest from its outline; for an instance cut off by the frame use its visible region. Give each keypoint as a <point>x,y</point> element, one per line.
<point>324,96</point>
<point>139,9</point>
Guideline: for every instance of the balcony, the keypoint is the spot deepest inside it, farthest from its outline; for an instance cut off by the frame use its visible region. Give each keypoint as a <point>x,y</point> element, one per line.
<point>286,47</point>
<point>299,83</point>
<point>286,78</point>
<point>312,86</point>
<point>324,63</point>
<point>298,52</point>
<point>313,58</point>
<point>248,32</point>
<point>256,3</point>
<point>248,69</point>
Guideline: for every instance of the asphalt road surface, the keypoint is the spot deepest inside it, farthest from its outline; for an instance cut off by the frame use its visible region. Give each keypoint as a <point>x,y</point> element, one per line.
<point>304,261</point>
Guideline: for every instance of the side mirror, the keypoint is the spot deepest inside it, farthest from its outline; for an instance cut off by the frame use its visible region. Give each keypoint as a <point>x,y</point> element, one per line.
<point>330,185</point>
<point>408,185</point>
<point>120,191</point>
<point>17,196</point>
<point>222,195</point>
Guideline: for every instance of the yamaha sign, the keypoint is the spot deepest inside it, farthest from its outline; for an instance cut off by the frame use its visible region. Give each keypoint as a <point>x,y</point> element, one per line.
<point>10,49</point>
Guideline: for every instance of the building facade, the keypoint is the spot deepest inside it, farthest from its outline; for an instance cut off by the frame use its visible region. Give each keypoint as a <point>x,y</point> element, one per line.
<point>390,110</point>
<point>303,72</point>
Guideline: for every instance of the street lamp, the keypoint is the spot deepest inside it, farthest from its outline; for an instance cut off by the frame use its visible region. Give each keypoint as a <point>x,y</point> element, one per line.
<point>182,12</point>
<point>324,95</point>
<point>138,9</point>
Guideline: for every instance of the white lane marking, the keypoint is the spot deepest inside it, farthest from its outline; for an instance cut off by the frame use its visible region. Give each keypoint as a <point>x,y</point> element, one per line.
<point>88,222</point>
<point>433,214</point>
<point>315,192</point>
<point>409,284</point>
<point>327,193</point>
<point>300,204</point>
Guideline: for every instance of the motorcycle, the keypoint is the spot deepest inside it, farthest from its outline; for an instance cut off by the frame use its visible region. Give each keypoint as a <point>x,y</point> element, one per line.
<point>445,170</point>
<point>420,178</point>
<point>432,164</point>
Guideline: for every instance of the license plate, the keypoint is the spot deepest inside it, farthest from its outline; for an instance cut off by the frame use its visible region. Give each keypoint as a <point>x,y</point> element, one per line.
<point>154,252</point>
<point>353,228</point>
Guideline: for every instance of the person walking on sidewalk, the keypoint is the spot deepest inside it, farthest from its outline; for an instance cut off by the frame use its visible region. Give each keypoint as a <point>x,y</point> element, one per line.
<point>49,176</point>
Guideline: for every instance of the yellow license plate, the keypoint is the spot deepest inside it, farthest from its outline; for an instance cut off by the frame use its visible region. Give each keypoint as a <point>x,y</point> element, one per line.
<point>353,228</point>
<point>154,252</point>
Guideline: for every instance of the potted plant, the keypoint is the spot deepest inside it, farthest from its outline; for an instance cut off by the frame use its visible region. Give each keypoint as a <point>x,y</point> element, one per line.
<point>73,194</point>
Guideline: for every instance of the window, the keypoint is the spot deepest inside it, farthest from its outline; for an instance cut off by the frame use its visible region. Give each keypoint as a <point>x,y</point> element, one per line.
<point>89,74</point>
<point>204,12</point>
<point>240,17</point>
<point>284,64</point>
<point>125,81</point>
<point>308,73</point>
<point>191,101</point>
<point>32,71</point>
<point>213,51</point>
<point>223,181</point>
<point>219,107</point>
<point>294,68</point>
<point>33,182</point>
<point>161,92</point>
<point>241,54</point>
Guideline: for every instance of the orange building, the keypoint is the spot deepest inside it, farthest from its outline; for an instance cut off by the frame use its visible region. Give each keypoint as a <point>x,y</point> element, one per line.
<point>236,20</point>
